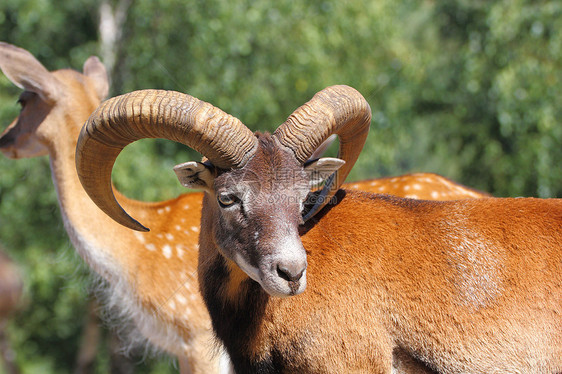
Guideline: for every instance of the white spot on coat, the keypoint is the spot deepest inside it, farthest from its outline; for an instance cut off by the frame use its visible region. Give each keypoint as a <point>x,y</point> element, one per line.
<point>140,236</point>
<point>167,251</point>
<point>180,250</point>
<point>182,300</point>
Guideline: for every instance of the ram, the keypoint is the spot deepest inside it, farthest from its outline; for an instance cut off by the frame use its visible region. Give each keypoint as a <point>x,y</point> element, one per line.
<point>151,275</point>
<point>466,286</point>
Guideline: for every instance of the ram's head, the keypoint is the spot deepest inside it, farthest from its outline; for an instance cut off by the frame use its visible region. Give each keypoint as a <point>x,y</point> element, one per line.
<point>258,185</point>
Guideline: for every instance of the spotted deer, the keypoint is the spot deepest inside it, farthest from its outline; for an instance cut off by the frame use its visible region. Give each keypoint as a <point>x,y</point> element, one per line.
<point>151,276</point>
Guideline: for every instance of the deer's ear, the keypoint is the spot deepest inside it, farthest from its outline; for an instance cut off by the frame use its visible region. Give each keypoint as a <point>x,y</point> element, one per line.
<point>95,70</point>
<point>23,70</point>
<point>319,170</point>
<point>195,175</point>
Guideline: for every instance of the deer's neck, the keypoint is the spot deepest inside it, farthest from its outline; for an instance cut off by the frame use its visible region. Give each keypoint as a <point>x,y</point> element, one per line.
<point>127,261</point>
<point>92,233</point>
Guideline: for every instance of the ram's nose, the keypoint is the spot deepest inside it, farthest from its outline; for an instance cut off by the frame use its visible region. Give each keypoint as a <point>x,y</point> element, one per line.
<point>291,271</point>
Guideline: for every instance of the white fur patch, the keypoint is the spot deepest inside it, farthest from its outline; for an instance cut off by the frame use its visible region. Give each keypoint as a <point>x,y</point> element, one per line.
<point>172,305</point>
<point>140,236</point>
<point>182,300</point>
<point>291,248</point>
<point>180,250</point>
<point>167,251</point>
<point>477,265</point>
<point>252,271</point>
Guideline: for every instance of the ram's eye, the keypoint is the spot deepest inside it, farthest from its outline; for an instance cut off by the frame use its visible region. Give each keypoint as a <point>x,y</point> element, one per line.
<point>226,199</point>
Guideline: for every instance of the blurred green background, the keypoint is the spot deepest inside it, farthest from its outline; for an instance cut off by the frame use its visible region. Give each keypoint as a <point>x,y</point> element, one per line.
<point>468,89</point>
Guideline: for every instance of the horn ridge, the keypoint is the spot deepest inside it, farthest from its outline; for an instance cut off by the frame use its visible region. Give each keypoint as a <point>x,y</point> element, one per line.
<point>121,120</point>
<point>340,110</point>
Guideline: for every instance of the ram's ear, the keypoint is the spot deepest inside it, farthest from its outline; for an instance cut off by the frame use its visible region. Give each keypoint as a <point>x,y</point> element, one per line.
<point>196,175</point>
<point>319,170</point>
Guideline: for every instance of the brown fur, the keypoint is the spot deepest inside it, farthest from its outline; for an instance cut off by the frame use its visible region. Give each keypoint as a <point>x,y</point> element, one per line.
<point>465,286</point>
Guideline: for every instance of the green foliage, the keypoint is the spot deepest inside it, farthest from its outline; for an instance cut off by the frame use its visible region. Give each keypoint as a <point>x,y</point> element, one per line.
<point>501,86</point>
<point>467,89</point>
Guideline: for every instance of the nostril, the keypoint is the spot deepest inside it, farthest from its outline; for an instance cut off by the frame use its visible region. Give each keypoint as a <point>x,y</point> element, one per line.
<point>290,273</point>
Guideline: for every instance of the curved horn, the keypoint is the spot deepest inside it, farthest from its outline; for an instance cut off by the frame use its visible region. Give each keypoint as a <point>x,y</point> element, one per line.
<point>337,110</point>
<point>119,121</point>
